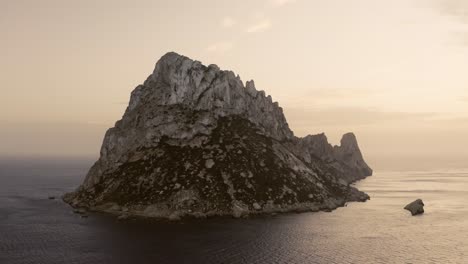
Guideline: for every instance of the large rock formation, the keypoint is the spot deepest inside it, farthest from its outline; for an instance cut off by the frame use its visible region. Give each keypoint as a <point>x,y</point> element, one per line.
<point>195,141</point>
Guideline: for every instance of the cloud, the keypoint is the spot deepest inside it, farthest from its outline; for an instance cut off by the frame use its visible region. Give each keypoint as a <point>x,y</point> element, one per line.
<point>228,22</point>
<point>51,139</point>
<point>260,26</point>
<point>339,93</point>
<point>458,11</point>
<point>349,116</point>
<point>457,8</point>
<point>279,3</point>
<point>220,47</point>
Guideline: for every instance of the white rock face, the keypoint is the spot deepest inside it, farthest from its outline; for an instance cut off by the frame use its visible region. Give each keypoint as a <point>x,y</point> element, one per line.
<point>256,206</point>
<point>209,164</point>
<point>197,129</point>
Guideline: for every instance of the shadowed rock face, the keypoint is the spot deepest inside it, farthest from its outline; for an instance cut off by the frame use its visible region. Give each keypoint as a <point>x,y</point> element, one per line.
<point>195,141</point>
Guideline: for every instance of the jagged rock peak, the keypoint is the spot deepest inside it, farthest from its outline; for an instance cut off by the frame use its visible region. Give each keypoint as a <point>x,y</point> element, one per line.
<point>250,84</point>
<point>349,153</point>
<point>177,79</point>
<point>349,141</point>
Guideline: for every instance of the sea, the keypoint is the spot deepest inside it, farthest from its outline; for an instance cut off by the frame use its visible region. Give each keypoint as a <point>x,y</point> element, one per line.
<point>35,229</point>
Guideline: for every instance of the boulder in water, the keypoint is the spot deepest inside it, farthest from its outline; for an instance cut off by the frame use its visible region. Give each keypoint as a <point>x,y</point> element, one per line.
<point>416,207</point>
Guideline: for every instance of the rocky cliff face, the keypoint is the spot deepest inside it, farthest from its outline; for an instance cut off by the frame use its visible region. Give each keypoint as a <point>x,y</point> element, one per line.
<point>195,141</point>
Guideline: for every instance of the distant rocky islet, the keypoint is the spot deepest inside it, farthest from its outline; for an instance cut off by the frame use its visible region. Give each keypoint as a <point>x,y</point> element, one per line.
<point>195,142</point>
<point>416,207</point>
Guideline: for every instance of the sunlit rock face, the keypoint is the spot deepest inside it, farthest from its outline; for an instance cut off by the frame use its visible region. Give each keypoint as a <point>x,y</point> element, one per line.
<point>194,141</point>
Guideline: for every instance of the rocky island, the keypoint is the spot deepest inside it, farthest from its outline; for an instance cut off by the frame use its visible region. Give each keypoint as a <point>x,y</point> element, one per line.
<point>195,142</point>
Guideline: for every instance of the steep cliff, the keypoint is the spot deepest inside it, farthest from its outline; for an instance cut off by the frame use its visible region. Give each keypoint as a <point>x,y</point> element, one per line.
<point>194,141</point>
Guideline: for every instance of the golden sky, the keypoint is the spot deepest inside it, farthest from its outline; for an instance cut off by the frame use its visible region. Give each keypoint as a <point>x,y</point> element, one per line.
<point>394,72</point>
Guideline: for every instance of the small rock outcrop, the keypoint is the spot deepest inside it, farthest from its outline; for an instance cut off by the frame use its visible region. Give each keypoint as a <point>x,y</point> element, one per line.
<point>416,207</point>
<point>195,141</point>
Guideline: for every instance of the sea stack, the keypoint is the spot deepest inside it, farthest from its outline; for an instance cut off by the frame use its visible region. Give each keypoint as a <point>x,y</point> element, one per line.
<point>195,141</point>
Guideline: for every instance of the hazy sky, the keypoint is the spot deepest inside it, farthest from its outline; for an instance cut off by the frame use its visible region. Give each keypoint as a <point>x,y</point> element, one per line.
<point>394,72</point>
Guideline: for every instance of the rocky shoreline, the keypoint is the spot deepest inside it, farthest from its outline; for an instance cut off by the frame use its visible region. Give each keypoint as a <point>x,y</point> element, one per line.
<point>239,211</point>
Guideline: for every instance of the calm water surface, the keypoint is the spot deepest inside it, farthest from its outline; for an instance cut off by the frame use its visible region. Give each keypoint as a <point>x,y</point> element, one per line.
<point>34,229</point>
